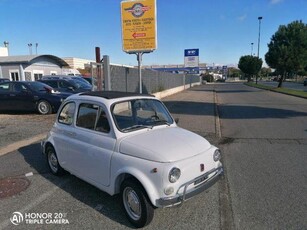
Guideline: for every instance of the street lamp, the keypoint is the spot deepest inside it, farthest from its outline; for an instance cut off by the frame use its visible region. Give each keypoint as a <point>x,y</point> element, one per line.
<point>252,44</point>
<point>259,18</point>
<point>6,45</point>
<point>30,48</point>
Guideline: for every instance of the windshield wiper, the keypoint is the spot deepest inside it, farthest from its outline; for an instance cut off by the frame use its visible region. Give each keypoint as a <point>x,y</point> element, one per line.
<point>161,122</point>
<point>137,127</point>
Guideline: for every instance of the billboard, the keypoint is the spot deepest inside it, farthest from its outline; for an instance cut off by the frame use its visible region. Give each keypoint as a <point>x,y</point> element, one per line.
<point>139,26</point>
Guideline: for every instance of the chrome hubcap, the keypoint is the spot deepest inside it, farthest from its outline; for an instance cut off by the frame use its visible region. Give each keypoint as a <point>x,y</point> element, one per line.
<point>43,107</point>
<point>132,203</point>
<point>53,162</point>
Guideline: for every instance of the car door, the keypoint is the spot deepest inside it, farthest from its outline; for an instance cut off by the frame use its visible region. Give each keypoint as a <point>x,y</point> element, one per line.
<point>21,97</point>
<point>93,144</point>
<point>4,97</point>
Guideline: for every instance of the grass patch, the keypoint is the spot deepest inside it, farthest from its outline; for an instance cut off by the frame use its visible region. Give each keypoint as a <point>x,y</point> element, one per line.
<point>292,92</point>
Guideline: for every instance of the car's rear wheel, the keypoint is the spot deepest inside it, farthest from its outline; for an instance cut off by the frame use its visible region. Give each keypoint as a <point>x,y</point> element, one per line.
<point>53,162</point>
<point>43,107</point>
<point>136,204</point>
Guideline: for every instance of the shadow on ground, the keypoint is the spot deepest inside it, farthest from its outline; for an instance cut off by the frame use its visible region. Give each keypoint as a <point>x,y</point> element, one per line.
<point>107,205</point>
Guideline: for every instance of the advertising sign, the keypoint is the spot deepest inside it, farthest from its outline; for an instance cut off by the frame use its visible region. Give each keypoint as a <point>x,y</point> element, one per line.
<point>191,60</point>
<point>139,26</point>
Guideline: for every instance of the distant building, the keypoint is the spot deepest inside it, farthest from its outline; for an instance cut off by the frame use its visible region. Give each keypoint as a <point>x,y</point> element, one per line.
<point>30,67</point>
<point>77,63</point>
<point>177,68</point>
<point>4,51</point>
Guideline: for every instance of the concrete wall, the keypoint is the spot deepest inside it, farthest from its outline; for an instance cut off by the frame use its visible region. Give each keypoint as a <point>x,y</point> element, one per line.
<point>126,79</point>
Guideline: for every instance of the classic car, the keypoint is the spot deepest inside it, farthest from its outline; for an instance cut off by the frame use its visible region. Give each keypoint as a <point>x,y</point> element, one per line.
<point>129,144</point>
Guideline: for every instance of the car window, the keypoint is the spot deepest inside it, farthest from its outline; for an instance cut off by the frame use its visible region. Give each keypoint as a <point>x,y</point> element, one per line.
<point>17,88</point>
<point>92,117</point>
<point>53,84</point>
<point>64,84</point>
<point>5,87</point>
<point>67,114</point>
<point>140,113</point>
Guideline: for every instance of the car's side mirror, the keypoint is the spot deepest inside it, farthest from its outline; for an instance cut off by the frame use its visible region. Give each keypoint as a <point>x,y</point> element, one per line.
<point>71,88</point>
<point>177,120</point>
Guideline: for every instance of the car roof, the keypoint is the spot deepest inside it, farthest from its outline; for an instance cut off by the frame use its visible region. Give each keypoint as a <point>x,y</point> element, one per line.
<point>113,94</point>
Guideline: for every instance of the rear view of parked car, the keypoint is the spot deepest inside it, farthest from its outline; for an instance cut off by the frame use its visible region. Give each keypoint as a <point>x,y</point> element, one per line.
<point>30,96</point>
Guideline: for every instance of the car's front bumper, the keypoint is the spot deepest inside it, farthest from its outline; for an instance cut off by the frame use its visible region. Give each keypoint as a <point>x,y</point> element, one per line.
<point>180,198</point>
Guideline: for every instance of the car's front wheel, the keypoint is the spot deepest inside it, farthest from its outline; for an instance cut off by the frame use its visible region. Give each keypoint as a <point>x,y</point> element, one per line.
<point>43,107</point>
<point>136,204</point>
<point>53,162</point>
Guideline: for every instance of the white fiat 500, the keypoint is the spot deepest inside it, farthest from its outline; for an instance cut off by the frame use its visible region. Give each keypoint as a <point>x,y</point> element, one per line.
<point>129,144</point>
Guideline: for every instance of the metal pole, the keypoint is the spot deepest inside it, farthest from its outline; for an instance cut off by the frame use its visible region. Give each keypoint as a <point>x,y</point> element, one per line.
<point>139,58</point>
<point>252,44</point>
<point>259,18</point>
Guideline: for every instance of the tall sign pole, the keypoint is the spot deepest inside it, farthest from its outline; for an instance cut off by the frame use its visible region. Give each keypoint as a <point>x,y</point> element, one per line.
<point>139,29</point>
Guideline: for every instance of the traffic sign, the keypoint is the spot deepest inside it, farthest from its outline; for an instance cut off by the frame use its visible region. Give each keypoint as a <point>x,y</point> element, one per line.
<point>191,58</point>
<point>139,26</point>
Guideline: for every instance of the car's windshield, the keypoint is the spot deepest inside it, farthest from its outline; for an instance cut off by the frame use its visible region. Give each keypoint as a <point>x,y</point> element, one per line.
<point>140,113</point>
<point>79,84</point>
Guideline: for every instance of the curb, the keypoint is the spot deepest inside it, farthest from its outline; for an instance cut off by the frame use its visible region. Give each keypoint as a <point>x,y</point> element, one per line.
<point>19,144</point>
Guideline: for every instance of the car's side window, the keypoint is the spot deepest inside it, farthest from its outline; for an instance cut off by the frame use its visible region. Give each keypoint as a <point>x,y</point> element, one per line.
<point>5,87</point>
<point>92,117</point>
<point>67,114</point>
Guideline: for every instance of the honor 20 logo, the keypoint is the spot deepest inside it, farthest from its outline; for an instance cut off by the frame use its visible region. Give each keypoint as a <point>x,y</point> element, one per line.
<point>138,9</point>
<point>16,218</point>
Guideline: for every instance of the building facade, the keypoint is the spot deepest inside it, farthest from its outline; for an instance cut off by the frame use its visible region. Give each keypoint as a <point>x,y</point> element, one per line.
<point>30,67</point>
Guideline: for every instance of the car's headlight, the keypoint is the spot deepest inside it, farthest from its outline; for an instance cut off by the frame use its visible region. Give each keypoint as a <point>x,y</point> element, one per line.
<point>217,155</point>
<point>174,175</point>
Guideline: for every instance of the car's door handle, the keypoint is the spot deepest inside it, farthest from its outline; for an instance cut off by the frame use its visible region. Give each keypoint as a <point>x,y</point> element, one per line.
<point>72,134</point>
<point>12,95</point>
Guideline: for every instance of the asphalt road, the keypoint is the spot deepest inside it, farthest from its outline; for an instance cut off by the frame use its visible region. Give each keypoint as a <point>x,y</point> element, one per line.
<point>265,158</point>
<point>264,145</point>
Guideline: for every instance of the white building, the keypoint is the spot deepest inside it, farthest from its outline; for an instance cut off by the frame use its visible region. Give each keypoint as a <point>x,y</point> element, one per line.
<point>30,67</point>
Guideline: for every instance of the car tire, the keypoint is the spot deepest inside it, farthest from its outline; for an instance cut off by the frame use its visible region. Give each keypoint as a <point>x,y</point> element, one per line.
<point>44,107</point>
<point>53,162</point>
<point>136,204</point>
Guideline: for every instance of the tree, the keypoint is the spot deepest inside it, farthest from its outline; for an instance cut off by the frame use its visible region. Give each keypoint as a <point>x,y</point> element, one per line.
<point>264,72</point>
<point>250,65</point>
<point>288,50</point>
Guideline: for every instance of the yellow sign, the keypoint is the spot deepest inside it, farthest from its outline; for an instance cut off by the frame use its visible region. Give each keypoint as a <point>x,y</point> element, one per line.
<point>139,27</point>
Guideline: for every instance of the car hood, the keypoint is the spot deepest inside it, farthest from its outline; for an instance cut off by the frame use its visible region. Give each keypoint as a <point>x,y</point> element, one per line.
<point>164,144</point>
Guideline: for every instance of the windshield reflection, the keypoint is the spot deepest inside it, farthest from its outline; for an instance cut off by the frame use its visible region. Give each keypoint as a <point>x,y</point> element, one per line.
<point>140,113</point>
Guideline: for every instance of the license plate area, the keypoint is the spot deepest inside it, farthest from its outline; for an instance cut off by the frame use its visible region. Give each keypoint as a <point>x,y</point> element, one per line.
<point>198,181</point>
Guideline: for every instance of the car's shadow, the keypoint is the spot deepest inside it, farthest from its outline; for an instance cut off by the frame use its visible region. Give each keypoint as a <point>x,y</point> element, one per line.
<point>109,206</point>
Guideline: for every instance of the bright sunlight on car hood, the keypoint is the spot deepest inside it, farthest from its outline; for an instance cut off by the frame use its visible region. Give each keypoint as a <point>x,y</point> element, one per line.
<point>164,145</point>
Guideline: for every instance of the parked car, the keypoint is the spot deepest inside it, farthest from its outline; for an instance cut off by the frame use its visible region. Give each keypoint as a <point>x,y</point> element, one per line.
<point>129,144</point>
<point>30,96</point>
<point>78,79</point>
<point>305,81</point>
<point>4,80</point>
<point>66,85</point>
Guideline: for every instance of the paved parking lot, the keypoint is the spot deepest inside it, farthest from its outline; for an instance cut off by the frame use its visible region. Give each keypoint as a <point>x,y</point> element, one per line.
<point>83,205</point>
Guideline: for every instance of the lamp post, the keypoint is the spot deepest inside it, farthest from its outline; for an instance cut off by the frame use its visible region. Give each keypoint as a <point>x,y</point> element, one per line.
<point>30,48</point>
<point>252,44</point>
<point>6,45</point>
<point>36,45</point>
<point>259,18</point>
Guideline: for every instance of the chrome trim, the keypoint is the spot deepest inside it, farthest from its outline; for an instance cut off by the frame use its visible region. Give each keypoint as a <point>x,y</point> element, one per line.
<point>178,199</point>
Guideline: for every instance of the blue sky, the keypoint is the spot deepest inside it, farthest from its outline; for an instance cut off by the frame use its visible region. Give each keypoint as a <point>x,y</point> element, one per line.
<point>223,30</point>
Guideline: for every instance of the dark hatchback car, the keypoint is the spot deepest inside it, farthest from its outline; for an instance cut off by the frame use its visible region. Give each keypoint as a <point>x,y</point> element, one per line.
<point>30,96</point>
<point>63,85</point>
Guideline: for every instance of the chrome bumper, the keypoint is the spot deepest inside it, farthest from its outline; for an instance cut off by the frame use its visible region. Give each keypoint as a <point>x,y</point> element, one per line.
<point>180,198</point>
